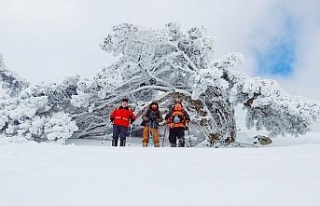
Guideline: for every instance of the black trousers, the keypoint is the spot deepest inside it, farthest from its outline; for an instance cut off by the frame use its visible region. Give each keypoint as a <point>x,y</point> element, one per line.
<point>119,131</point>
<point>176,133</point>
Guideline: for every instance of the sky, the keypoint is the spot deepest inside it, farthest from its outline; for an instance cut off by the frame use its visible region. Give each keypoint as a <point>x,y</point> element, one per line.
<point>46,40</point>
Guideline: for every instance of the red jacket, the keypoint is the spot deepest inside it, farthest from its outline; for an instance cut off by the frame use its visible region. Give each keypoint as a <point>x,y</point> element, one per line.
<point>122,116</point>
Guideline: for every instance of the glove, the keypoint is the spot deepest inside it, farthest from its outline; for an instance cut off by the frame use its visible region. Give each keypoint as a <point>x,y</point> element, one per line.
<point>187,126</point>
<point>144,118</point>
<point>154,118</point>
<point>162,123</point>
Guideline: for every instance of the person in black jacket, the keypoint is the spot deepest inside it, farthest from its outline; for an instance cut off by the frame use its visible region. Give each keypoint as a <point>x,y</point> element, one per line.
<point>177,120</point>
<point>151,119</point>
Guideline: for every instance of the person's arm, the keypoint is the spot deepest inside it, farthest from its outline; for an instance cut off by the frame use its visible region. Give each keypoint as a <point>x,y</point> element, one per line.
<point>132,116</point>
<point>168,118</point>
<point>187,117</point>
<point>159,118</point>
<point>113,114</point>
<point>145,116</point>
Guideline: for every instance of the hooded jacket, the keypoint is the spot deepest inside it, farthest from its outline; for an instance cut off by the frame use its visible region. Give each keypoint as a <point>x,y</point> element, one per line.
<point>151,117</point>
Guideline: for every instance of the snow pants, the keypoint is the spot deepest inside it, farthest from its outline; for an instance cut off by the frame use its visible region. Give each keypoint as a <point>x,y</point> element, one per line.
<point>147,132</point>
<point>119,131</point>
<point>176,133</point>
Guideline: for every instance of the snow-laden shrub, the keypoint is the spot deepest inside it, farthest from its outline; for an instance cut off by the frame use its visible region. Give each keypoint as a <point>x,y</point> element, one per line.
<point>59,127</point>
<point>25,117</point>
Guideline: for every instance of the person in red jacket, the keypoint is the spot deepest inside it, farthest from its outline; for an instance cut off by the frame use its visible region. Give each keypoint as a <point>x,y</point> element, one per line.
<point>121,117</point>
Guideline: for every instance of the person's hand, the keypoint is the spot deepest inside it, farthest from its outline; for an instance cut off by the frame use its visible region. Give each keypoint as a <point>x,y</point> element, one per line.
<point>110,125</point>
<point>154,118</point>
<point>162,123</point>
<point>144,118</point>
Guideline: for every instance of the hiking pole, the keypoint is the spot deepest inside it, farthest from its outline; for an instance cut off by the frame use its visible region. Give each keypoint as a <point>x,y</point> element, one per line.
<point>104,137</point>
<point>151,133</point>
<point>130,135</point>
<point>190,143</point>
<point>164,134</point>
<point>108,128</point>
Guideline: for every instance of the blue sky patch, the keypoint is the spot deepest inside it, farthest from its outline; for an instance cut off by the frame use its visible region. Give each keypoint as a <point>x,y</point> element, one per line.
<point>278,59</point>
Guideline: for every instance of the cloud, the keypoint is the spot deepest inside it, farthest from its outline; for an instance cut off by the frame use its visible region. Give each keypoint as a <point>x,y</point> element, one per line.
<point>283,43</point>
<point>305,44</point>
<point>44,40</point>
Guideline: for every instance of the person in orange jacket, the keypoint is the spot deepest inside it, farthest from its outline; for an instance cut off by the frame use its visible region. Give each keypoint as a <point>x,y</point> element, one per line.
<point>151,119</point>
<point>121,117</point>
<point>177,120</point>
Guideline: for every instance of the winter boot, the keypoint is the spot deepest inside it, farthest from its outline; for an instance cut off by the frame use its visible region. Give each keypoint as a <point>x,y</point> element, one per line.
<point>145,144</point>
<point>173,144</point>
<point>122,142</point>
<point>227,141</point>
<point>181,142</point>
<point>156,144</point>
<point>115,142</point>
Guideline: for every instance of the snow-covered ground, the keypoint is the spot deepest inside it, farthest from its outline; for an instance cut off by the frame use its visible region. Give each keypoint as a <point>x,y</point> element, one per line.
<point>91,173</point>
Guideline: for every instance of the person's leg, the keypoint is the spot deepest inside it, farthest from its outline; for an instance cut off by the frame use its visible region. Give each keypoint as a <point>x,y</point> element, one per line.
<point>155,134</point>
<point>123,135</point>
<point>180,134</point>
<point>115,135</point>
<point>173,137</point>
<point>145,136</point>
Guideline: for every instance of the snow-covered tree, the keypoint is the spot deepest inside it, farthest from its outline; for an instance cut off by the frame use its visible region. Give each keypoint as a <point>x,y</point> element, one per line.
<point>164,64</point>
<point>269,107</point>
<point>155,65</point>
<point>10,80</point>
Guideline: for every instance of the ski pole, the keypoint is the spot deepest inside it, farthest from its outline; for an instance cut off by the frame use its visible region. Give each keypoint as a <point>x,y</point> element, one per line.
<point>104,137</point>
<point>151,130</point>
<point>190,143</point>
<point>130,135</point>
<point>108,128</point>
<point>164,134</point>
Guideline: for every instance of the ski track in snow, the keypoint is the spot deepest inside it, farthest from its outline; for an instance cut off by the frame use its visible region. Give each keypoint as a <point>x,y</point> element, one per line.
<point>50,174</point>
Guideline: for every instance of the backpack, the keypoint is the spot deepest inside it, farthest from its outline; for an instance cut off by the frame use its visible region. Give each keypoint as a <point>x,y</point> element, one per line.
<point>177,114</point>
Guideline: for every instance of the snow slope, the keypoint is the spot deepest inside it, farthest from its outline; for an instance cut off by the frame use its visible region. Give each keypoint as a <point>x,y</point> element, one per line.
<point>51,174</point>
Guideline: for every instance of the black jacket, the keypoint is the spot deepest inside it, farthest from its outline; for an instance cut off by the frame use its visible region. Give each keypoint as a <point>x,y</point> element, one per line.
<point>152,117</point>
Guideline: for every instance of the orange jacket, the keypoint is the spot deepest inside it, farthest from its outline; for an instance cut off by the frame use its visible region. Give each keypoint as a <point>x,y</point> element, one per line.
<point>122,116</point>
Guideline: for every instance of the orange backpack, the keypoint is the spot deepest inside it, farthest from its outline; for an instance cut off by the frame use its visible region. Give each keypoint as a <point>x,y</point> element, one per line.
<point>177,115</point>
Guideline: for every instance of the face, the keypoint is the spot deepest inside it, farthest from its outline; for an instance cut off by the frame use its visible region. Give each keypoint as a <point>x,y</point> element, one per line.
<point>154,107</point>
<point>177,107</point>
<point>124,103</point>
